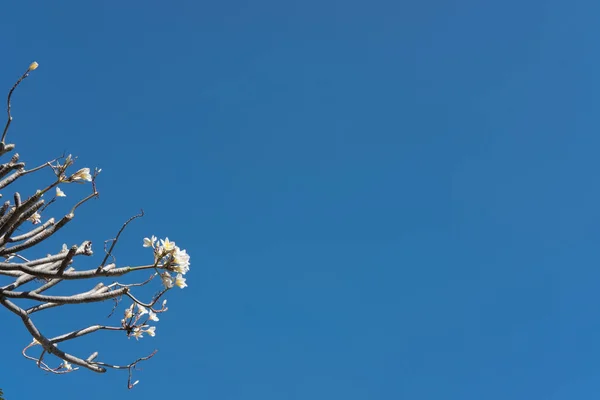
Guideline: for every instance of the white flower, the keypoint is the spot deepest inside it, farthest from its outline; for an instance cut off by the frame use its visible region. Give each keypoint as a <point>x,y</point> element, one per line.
<point>129,312</point>
<point>35,219</point>
<point>135,383</point>
<point>60,193</point>
<point>167,245</point>
<point>33,66</point>
<point>67,365</point>
<point>180,281</point>
<point>150,331</point>
<point>149,242</point>
<point>137,333</point>
<point>167,280</point>
<point>164,302</point>
<point>83,174</point>
<point>152,316</point>
<point>182,259</point>
<point>142,310</point>
<point>64,248</point>
<point>182,269</point>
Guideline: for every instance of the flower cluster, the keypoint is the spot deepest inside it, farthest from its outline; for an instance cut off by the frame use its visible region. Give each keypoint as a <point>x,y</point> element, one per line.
<point>133,326</point>
<point>81,176</point>
<point>171,258</point>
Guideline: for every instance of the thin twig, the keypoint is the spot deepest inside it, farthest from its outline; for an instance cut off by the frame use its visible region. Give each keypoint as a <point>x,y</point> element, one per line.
<point>25,75</point>
<point>116,239</point>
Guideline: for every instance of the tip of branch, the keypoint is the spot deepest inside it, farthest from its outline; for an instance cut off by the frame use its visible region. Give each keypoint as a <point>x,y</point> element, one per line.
<point>92,357</point>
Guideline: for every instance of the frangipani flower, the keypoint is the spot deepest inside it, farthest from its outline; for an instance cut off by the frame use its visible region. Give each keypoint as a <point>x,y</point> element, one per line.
<point>167,245</point>
<point>129,312</point>
<point>182,269</point>
<point>82,175</point>
<point>150,331</point>
<point>149,242</point>
<point>35,219</point>
<point>67,365</point>
<point>180,281</point>
<point>182,260</point>
<point>167,280</point>
<point>137,333</point>
<point>60,193</point>
<point>33,66</point>
<point>142,310</point>
<point>152,316</point>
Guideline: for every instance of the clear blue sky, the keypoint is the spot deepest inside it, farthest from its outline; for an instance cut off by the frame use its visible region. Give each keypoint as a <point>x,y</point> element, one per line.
<point>382,200</point>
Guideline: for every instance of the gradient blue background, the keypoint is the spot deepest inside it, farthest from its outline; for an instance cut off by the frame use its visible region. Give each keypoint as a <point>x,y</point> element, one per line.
<point>382,200</point>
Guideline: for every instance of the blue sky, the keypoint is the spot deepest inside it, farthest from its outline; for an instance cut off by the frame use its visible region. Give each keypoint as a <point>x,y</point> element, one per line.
<point>382,200</point>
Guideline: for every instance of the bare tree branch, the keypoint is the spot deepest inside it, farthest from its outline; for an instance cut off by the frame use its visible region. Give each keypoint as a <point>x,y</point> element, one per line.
<point>27,274</point>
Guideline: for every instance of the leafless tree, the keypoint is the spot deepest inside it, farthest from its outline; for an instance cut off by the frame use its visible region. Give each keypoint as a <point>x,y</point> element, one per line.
<point>23,229</point>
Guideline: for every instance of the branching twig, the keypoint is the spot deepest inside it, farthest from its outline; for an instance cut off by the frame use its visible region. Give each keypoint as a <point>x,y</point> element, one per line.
<point>129,367</point>
<point>27,278</point>
<point>116,239</point>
